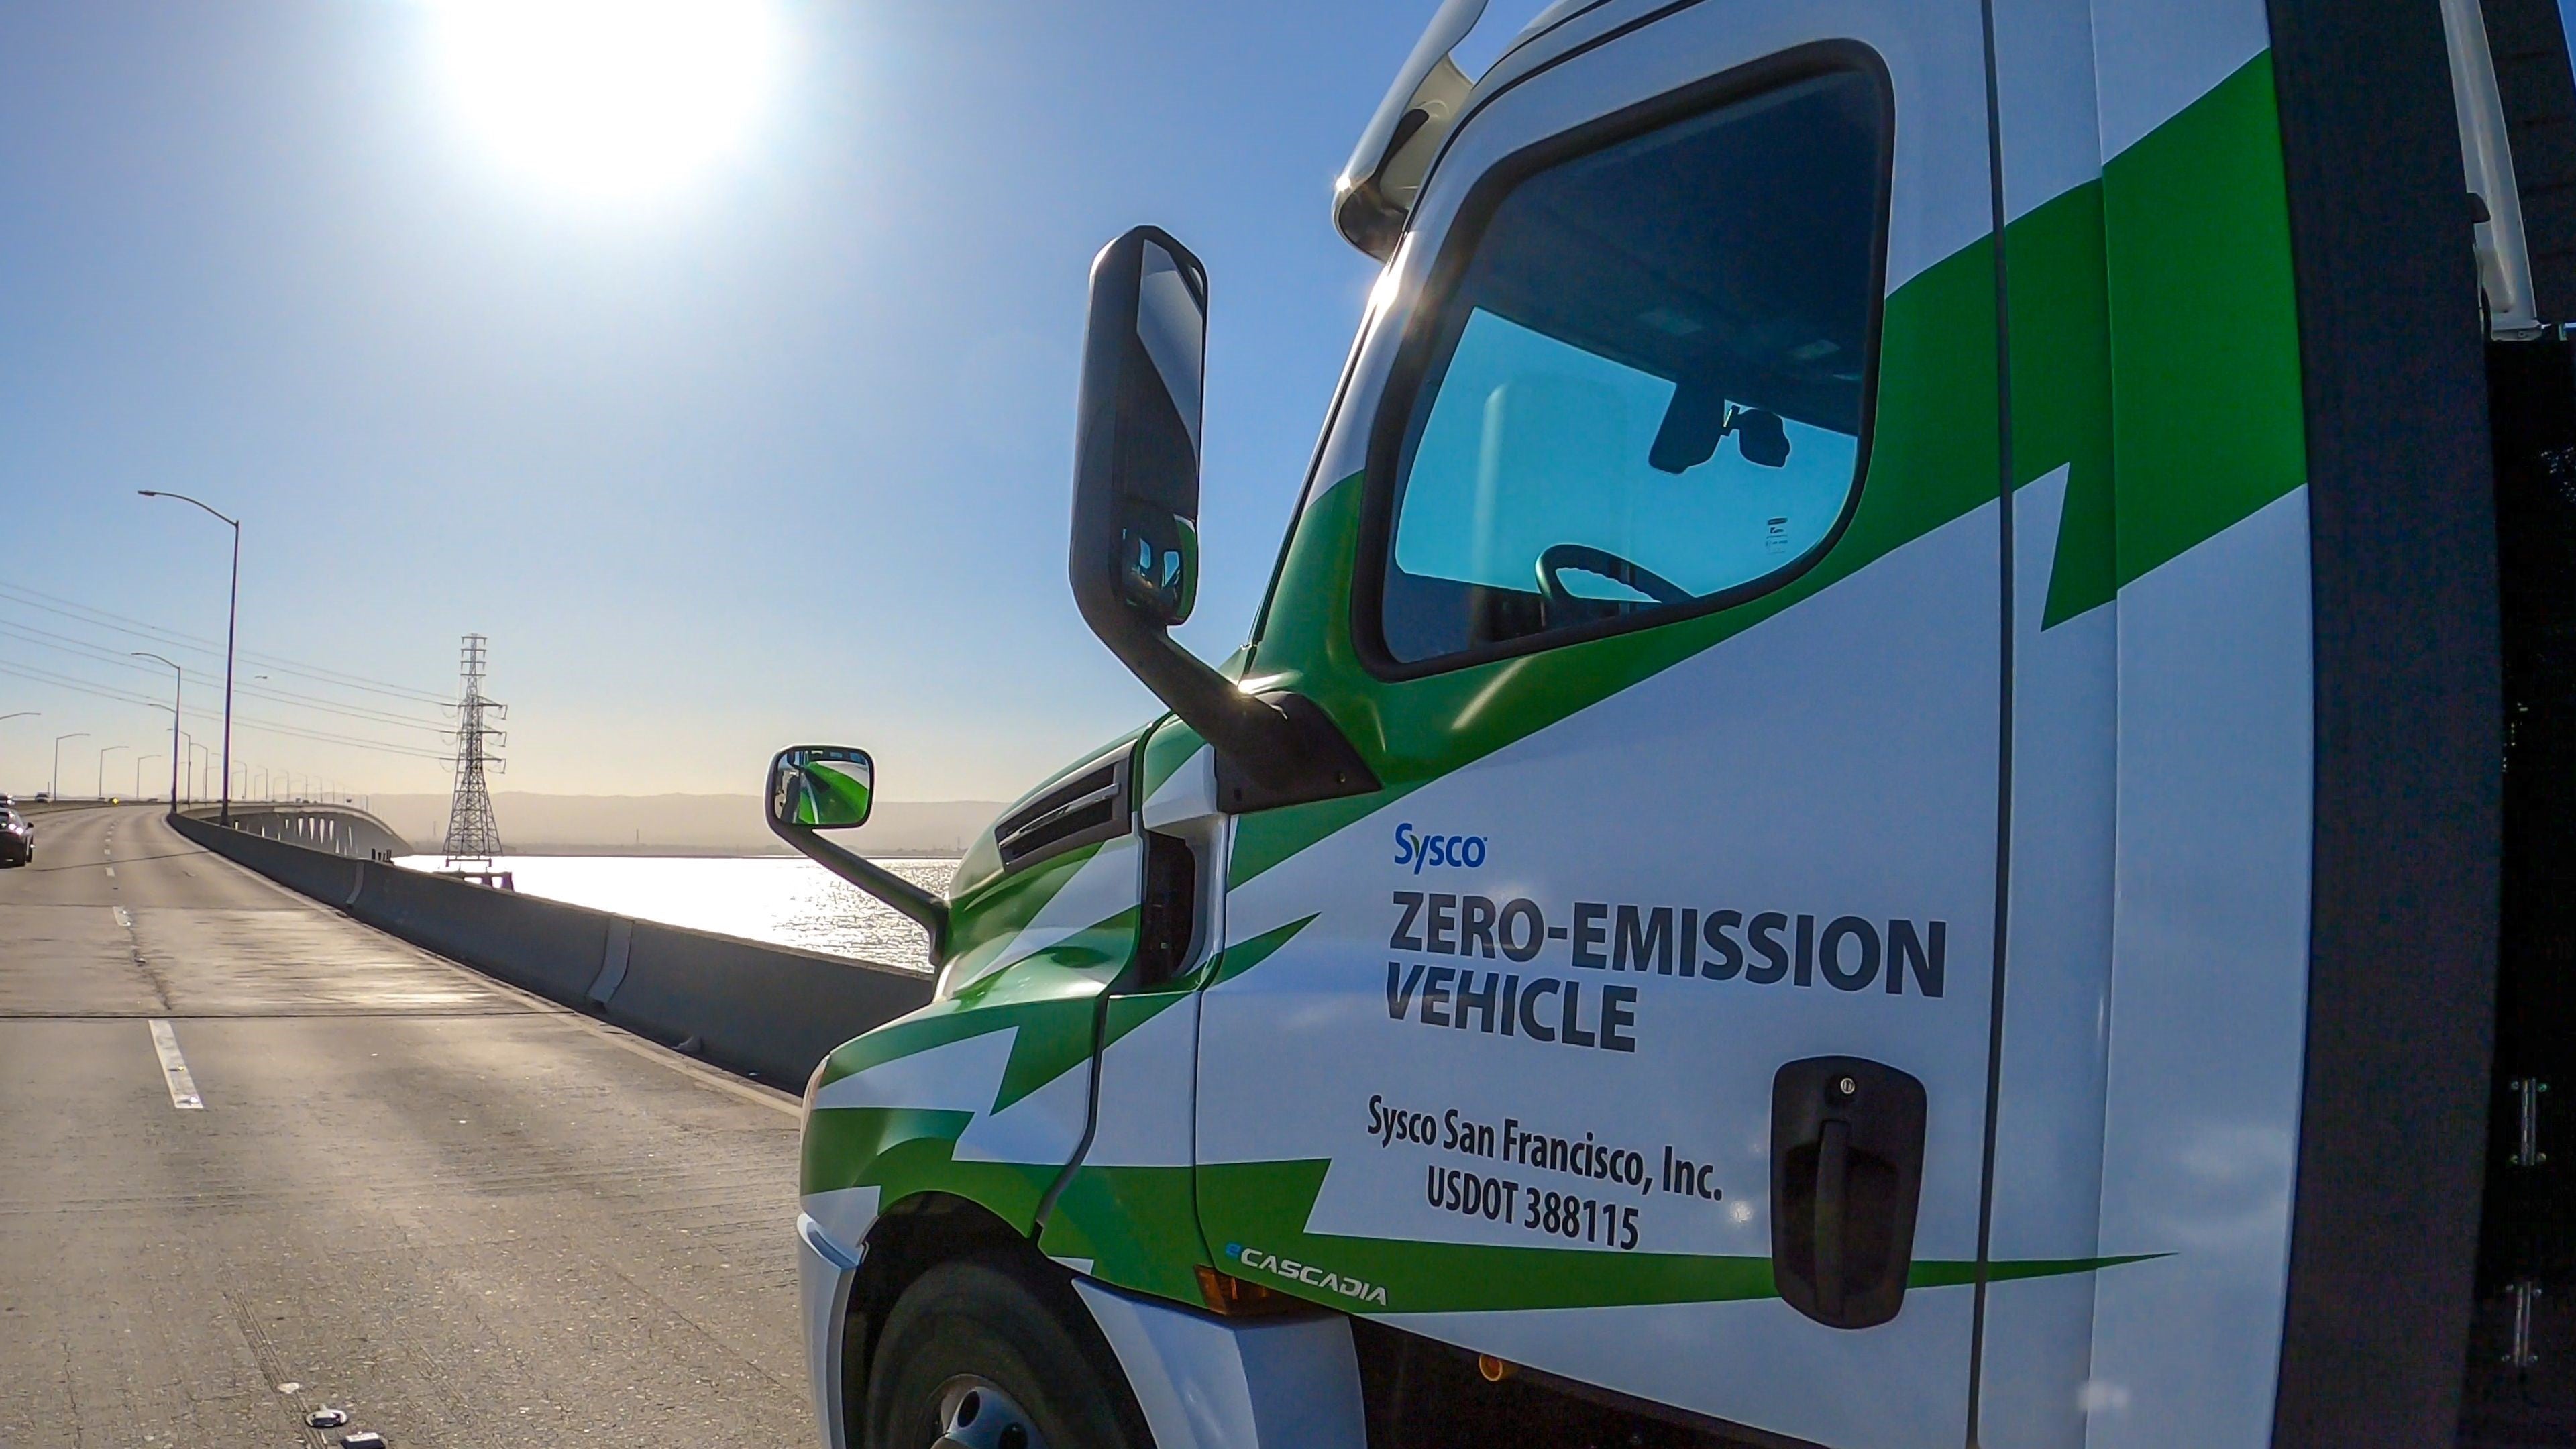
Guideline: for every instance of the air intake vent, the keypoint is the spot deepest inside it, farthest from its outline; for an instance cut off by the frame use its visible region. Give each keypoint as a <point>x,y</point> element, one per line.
<point>1089,807</point>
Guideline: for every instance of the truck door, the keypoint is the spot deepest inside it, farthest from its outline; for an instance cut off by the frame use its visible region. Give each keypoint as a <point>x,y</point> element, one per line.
<point>1637,1029</point>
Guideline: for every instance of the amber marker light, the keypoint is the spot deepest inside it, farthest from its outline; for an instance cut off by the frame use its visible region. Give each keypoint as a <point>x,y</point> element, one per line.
<point>1234,1298</point>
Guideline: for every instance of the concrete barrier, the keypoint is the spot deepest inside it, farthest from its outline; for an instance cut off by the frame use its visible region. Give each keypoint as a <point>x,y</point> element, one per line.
<point>338,829</point>
<point>768,1012</point>
<point>533,943</point>
<point>319,874</point>
<point>771,1010</point>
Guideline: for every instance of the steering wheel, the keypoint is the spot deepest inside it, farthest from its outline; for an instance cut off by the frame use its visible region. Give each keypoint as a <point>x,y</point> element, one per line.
<point>1556,558</point>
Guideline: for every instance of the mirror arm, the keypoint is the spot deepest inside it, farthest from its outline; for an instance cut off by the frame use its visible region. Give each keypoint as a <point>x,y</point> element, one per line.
<point>926,910</point>
<point>1274,749</point>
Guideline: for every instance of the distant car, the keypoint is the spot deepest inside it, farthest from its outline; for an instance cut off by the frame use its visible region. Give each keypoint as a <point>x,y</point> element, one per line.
<point>43,799</point>
<point>17,839</point>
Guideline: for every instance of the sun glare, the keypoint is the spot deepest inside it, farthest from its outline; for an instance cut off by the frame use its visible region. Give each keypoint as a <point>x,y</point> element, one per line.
<point>609,98</point>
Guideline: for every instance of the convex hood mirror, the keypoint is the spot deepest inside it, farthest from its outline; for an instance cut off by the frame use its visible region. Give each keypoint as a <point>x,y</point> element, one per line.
<point>821,787</point>
<point>833,787</point>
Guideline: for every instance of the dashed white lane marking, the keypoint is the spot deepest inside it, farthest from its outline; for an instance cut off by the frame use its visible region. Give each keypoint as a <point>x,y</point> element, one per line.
<point>776,1099</point>
<point>122,918</point>
<point>174,1067</point>
<point>111,872</point>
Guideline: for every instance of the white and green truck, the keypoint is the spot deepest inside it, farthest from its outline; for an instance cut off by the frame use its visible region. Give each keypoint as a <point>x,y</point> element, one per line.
<point>1900,784</point>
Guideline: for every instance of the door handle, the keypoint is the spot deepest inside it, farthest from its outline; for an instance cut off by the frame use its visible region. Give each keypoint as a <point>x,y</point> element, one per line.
<point>1833,1175</point>
<point>1846,1181</point>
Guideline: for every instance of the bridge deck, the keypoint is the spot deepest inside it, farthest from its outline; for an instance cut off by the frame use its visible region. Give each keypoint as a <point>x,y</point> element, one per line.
<point>473,1217</point>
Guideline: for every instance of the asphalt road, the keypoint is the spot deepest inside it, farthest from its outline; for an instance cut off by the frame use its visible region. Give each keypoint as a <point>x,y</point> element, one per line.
<point>472,1218</point>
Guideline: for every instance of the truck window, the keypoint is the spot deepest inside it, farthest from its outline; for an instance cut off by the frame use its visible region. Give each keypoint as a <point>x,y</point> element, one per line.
<point>1645,391</point>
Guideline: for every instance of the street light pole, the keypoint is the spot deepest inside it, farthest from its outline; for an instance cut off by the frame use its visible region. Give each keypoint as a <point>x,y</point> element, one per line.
<point>57,791</point>
<point>138,771</point>
<point>178,679</point>
<point>23,714</point>
<point>232,622</point>
<point>102,767</point>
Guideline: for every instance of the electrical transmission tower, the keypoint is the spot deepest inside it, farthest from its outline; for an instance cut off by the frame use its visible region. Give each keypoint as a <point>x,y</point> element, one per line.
<point>472,833</point>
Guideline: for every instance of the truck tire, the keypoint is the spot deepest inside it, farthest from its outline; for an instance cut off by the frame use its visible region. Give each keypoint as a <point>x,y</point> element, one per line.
<point>981,1352</point>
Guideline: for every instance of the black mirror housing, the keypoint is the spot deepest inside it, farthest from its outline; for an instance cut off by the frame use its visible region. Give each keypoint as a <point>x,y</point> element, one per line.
<point>1136,433</point>
<point>1134,556</point>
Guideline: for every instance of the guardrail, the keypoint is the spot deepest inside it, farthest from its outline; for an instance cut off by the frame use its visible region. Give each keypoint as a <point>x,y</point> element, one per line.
<point>767,1012</point>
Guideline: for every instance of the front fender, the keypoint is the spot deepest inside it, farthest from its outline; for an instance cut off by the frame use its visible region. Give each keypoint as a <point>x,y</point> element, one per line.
<point>985,1095</point>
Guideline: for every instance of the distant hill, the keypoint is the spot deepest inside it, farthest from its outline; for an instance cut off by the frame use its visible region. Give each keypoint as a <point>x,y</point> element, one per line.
<point>533,824</point>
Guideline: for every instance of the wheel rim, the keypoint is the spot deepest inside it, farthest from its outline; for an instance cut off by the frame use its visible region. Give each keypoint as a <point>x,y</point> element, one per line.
<point>974,1413</point>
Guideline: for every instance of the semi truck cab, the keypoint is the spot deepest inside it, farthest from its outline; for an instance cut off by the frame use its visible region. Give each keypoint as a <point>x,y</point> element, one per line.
<point>1900,783</point>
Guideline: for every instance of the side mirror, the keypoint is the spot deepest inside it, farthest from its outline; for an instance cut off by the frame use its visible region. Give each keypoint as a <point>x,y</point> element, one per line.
<point>1136,459</point>
<point>821,787</point>
<point>1134,556</point>
<point>832,787</point>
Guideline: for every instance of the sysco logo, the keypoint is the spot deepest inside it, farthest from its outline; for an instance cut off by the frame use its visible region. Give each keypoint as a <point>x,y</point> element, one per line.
<point>1418,850</point>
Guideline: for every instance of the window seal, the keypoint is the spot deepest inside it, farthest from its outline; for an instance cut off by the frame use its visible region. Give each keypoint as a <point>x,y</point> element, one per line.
<point>1395,430</point>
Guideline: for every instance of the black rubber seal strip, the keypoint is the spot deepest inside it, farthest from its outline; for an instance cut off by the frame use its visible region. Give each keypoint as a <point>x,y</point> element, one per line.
<point>2409,729</point>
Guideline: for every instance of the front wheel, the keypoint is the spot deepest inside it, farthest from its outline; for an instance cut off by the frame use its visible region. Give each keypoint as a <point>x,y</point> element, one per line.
<point>981,1354</point>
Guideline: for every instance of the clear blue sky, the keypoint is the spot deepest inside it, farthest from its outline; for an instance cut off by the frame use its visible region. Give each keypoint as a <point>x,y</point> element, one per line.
<point>774,449</point>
